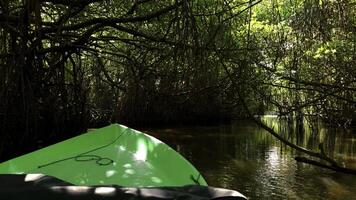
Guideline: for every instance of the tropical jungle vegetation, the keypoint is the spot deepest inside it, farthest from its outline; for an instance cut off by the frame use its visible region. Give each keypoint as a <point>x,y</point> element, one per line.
<point>66,65</point>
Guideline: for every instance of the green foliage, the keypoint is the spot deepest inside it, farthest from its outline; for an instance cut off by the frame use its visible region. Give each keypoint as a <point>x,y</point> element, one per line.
<point>82,62</point>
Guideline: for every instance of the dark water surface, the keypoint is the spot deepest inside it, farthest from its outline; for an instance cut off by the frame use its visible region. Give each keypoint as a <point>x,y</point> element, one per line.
<point>243,157</point>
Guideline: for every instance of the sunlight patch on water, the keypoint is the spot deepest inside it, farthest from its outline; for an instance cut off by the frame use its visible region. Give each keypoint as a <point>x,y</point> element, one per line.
<point>273,157</point>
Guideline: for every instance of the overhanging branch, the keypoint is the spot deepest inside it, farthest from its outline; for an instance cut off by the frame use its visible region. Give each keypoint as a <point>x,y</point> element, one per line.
<point>111,21</point>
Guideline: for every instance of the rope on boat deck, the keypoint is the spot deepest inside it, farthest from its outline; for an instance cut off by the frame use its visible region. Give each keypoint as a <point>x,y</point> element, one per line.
<point>83,157</point>
<point>195,180</point>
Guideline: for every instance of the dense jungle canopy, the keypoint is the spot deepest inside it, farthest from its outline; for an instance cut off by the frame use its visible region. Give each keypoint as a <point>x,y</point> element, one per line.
<point>66,65</point>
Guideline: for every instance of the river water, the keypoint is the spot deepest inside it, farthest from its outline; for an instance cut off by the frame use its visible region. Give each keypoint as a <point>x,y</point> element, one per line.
<point>245,158</point>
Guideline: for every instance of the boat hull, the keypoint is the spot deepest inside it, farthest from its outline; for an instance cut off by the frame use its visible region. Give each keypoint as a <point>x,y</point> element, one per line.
<point>113,155</point>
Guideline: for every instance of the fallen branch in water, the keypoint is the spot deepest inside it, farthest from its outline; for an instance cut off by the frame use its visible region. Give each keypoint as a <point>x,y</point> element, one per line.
<point>331,163</point>
<point>319,164</point>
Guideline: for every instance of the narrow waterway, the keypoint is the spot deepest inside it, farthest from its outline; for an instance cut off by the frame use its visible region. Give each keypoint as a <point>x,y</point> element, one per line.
<point>243,157</point>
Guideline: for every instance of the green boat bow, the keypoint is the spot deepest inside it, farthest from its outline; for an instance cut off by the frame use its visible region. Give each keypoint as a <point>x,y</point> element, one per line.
<point>113,155</point>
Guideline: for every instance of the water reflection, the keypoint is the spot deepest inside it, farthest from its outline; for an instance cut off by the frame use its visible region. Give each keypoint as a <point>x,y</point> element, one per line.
<point>245,158</point>
<point>273,158</point>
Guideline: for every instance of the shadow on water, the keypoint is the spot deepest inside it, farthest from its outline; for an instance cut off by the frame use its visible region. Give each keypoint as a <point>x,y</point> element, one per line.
<point>243,157</point>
